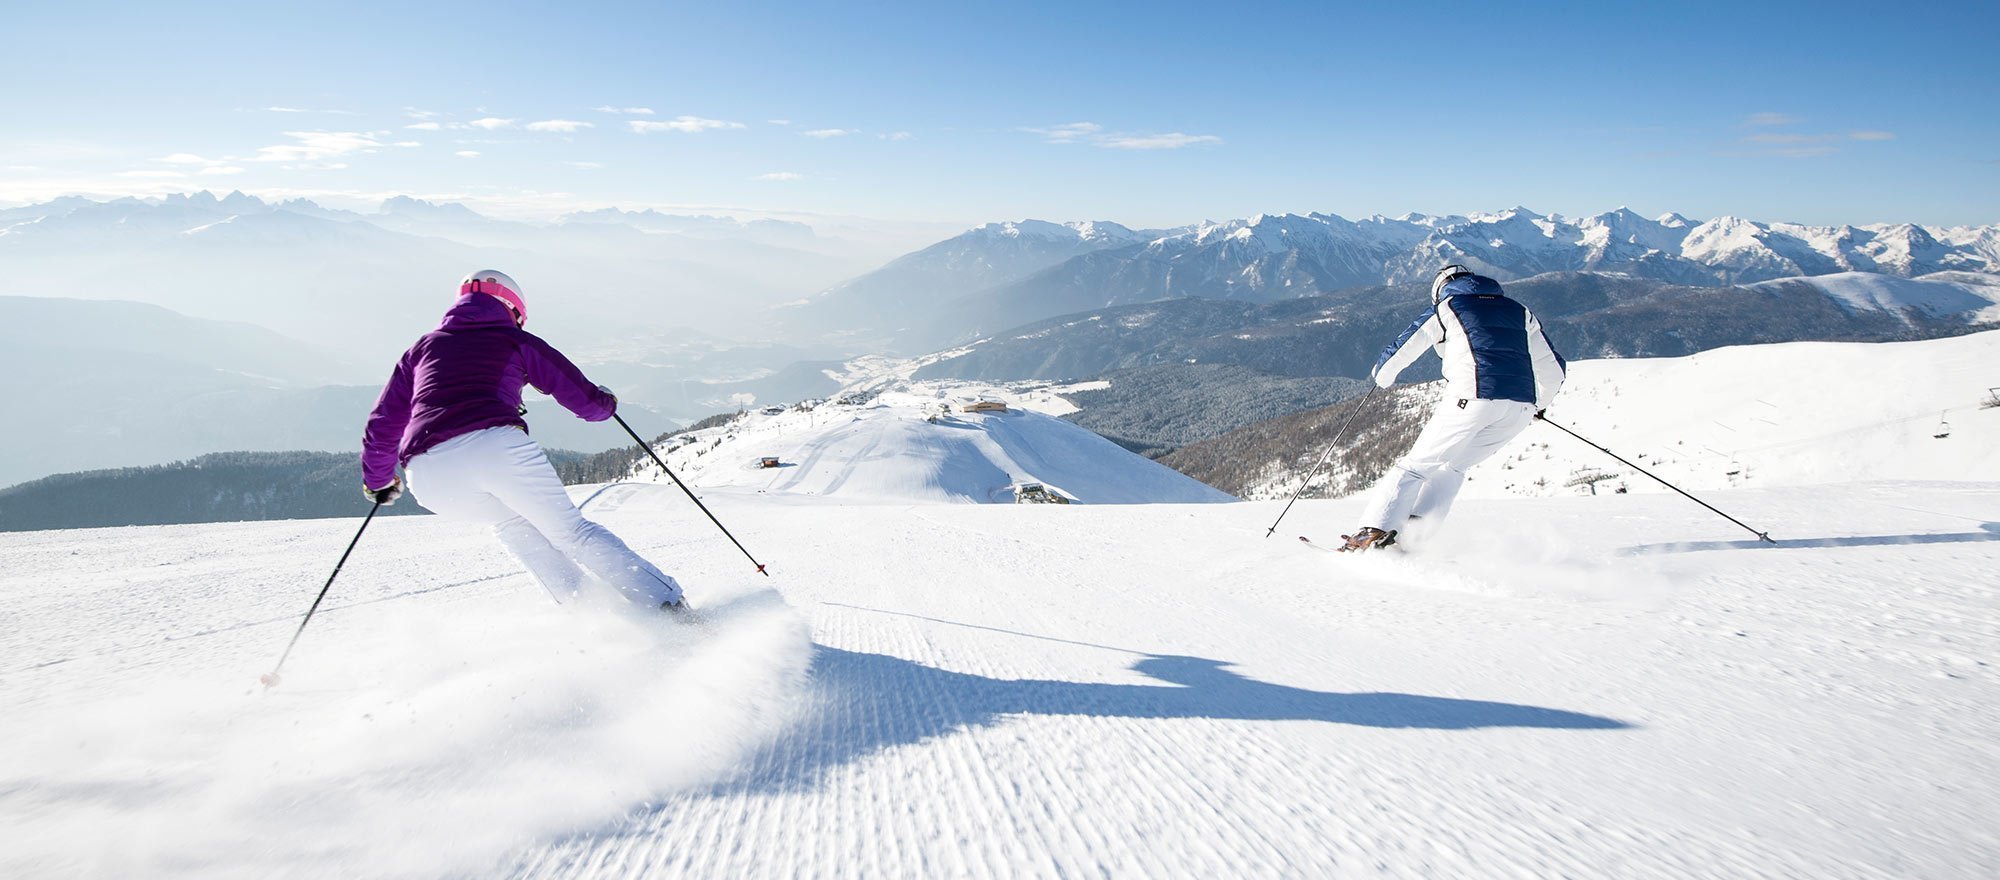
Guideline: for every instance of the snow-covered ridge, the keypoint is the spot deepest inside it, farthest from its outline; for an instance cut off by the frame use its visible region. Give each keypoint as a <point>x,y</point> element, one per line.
<point>1081,231</point>
<point>935,442</point>
<point>1940,294</point>
<point>1792,414</point>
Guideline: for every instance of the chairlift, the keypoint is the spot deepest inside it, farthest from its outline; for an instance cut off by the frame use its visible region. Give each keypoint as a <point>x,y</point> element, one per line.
<point>1735,467</point>
<point>1993,395</point>
<point>1944,427</point>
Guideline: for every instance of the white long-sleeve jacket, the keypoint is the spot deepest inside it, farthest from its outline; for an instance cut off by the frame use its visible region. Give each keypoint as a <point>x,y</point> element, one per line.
<point>1493,347</point>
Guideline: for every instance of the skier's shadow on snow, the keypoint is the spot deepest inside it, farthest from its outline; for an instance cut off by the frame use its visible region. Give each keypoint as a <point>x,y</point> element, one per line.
<point>1988,532</point>
<point>867,703</point>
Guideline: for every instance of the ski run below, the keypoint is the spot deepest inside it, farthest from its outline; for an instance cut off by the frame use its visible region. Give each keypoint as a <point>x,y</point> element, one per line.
<point>1556,684</point>
<point>1612,686</point>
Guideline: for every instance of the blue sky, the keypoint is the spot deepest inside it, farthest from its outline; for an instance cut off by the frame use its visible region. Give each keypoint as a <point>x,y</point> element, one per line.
<point>1147,114</point>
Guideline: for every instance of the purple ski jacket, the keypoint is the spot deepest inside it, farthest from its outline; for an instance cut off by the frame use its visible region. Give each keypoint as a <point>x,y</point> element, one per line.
<point>466,376</point>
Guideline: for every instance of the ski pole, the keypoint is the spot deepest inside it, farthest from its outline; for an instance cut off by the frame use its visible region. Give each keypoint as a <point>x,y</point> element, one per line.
<point>690,492</point>
<point>270,679</point>
<point>1324,457</point>
<point>1761,535</point>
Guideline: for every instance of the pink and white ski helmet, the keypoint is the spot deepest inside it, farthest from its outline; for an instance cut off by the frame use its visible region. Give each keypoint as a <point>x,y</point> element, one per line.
<point>496,284</point>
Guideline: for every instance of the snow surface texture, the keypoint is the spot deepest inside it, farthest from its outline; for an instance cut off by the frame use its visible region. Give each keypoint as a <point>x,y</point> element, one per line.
<point>1622,685</point>
<point>420,737</point>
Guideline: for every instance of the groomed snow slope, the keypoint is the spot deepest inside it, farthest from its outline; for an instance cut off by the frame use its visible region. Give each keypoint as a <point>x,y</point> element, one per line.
<point>1614,686</point>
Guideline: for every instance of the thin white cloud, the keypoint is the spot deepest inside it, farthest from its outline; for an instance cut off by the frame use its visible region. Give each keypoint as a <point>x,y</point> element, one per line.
<point>414,113</point>
<point>780,175</point>
<point>425,126</point>
<point>491,123</point>
<point>628,111</point>
<point>209,166</point>
<point>287,110</point>
<point>1768,118</point>
<point>467,154</point>
<point>778,121</point>
<point>314,146</point>
<point>407,144</point>
<point>1805,145</point>
<point>895,136</point>
<point>565,126</point>
<point>1170,141</point>
<point>1067,133</point>
<point>151,175</point>
<point>587,166</point>
<point>830,132</point>
<point>309,110</point>
<point>687,124</point>
<point>1095,135</point>
<point>1791,138</point>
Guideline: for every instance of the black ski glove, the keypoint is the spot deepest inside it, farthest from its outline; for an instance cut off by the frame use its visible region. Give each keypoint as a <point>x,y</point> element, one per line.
<point>1541,413</point>
<point>386,495</point>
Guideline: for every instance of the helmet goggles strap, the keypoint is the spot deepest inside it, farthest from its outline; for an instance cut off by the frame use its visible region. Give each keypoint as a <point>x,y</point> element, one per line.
<point>478,286</point>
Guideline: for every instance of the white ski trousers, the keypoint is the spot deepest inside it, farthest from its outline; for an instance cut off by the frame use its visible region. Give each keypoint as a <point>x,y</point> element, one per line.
<point>1424,482</point>
<point>500,476</point>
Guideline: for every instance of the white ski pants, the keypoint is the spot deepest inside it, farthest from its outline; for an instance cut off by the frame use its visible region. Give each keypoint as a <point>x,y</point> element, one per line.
<point>1426,480</point>
<point>502,477</point>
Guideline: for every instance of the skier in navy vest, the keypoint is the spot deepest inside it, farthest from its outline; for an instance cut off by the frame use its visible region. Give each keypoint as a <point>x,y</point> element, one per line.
<point>1499,374</point>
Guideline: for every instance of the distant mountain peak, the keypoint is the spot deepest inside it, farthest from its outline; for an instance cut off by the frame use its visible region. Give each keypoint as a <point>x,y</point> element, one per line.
<point>1074,230</point>
<point>407,206</point>
<point>236,200</point>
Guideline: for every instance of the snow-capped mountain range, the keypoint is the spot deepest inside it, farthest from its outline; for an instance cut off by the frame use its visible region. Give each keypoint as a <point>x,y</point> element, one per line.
<point>1518,243</point>
<point>1004,274</point>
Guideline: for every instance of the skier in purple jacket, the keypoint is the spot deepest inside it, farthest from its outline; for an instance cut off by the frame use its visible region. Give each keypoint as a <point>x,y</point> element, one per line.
<point>451,416</point>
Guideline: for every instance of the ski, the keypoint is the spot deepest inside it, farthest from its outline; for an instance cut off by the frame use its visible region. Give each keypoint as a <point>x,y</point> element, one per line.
<point>1326,549</point>
<point>1320,547</point>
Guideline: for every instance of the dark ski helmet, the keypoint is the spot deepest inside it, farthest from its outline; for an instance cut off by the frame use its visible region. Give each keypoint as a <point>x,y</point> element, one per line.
<point>496,284</point>
<point>1444,277</point>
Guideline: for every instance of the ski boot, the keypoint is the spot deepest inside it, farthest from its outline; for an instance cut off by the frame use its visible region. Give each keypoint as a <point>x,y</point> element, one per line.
<point>1368,537</point>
